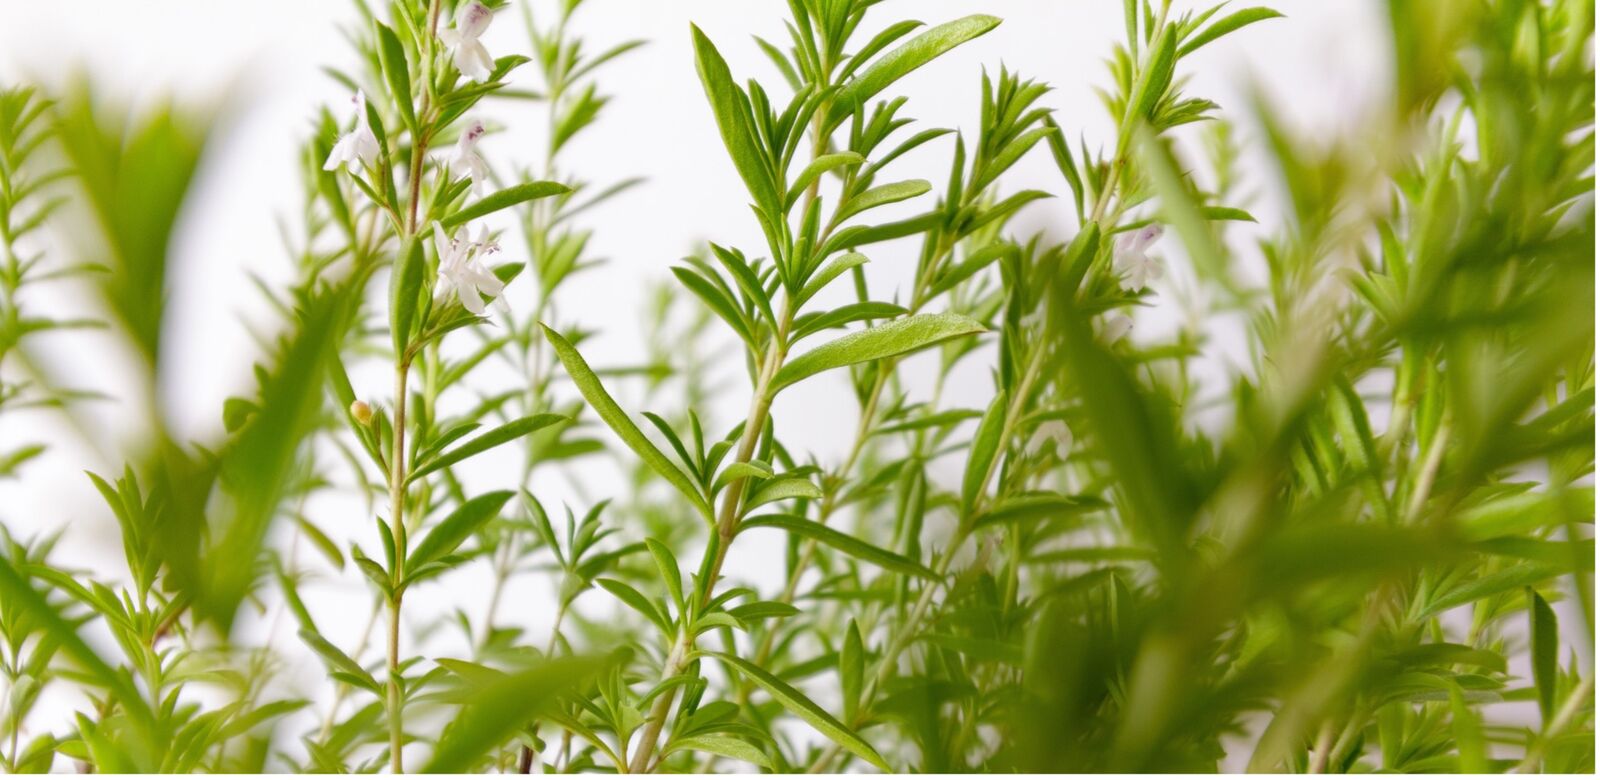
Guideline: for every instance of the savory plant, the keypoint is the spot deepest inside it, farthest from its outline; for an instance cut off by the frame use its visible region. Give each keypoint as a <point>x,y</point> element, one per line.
<point>1368,546</point>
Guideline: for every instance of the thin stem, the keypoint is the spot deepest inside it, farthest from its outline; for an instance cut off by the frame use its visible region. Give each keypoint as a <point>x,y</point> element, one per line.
<point>726,524</point>
<point>397,532</point>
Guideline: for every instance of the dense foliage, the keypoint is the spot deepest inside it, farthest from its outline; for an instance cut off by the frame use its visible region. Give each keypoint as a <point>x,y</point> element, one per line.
<point>1368,545</point>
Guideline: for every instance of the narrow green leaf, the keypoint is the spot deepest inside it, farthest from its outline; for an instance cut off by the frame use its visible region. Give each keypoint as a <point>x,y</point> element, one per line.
<point>895,338</point>
<point>1225,25</point>
<point>506,198</point>
<point>627,594</point>
<point>337,659</point>
<point>807,710</point>
<point>728,747</point>
<point>843,542</point>
<point>456,527</point>
<point>731,109</point>
<point>405,291</point>
<point>828,273</point>
<point>511,431</point>
<point>1546,645</point>
<point>396,73</point>
<point>595,393</point>
<point>985,448</point>
<point>904,59</point>
<point>819,166</point>
<point>881,195</point>
<point>782,488</point>
<point>667,563</point>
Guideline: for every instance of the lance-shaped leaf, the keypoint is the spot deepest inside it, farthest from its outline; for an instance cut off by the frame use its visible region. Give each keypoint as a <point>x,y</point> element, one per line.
<point>396,73</point>
<point>595,393</point>
<point>511,431</point>
<point>881,195</point>
<point>807,710</point>
<point>494,712</point>
<point>1545,644</point>
<point>405,290</point>
<point>720,745</point>
<point>986,444</point>
<point>908,334</point>
<point>456,527</point>
<point>505,198</point>
<point>843,542</point>
<point>1225,25</point>
<point>812,172</point>
<point>905,58</point>
<point>731,109</point>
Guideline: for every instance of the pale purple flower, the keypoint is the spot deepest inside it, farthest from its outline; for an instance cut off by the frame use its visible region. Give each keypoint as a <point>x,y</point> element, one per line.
<point>466,155</point>
<point>357,146</point>
<point>460,268</point>
<point>1132,260</point>
<point>467,52</point>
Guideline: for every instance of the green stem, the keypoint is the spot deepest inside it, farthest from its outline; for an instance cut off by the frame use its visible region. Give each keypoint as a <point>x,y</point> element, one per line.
<point>397,532</point>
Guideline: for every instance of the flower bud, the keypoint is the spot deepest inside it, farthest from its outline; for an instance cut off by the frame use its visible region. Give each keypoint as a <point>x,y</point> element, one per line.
<point>362,412</point>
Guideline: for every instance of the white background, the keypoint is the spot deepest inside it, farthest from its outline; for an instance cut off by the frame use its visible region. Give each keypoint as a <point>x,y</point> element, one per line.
<point>1324,66</point>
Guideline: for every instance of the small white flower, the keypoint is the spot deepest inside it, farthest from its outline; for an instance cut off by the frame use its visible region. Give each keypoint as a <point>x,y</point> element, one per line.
<point>1052,431</point>
<point>1116,326</point>
<point>1132,260</point>
<point>459,266</point>
<point>468,53</point>
<point>466,155</point>
<point>357,146</point>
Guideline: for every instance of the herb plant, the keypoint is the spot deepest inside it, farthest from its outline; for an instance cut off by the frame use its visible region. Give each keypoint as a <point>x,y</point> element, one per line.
<point>1366,544</point>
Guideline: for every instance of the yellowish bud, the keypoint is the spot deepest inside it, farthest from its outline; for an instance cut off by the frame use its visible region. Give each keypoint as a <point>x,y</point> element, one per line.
<point>362,412</point>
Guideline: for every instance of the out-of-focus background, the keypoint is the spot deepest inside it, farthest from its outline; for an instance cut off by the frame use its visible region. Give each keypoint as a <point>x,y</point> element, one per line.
<point>260,65</point>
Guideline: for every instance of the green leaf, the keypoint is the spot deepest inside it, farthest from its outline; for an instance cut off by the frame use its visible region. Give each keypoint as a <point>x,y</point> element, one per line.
<point>640,603</point>
<point>505,198</point>
<point>761,610</point>
<point>881,195</point>
<point>782,488</point>
<point>852,668</point>
<point>396,74</point>
<point>667,563</point>
<point>1225,25</point>
<point>905,58</point>
<point>904,335</point>
<point>843,542</point>
<point>807,710</point>
<point>595,393</point>
<point>338,661</point>
<point>985,448</point>
<point>511,431</point>
<point>828,273</point>
<point>731,109</point>
<point>728,747</point>
<point>494,713</point>
<point>819,166</point>
<point>405,292</point>
<point>1154,79</point>
<point>1546,645</point>
<point>456,527</point>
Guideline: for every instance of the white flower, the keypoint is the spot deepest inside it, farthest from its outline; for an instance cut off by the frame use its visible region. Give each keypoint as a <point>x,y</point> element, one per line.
<point>469,55</point>
<point>358,145</point>
<point>1116,326</point>
<point>1132,261</point>
<point>458,265</point>
<point>466,155</point>
<point>1049,431</point>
